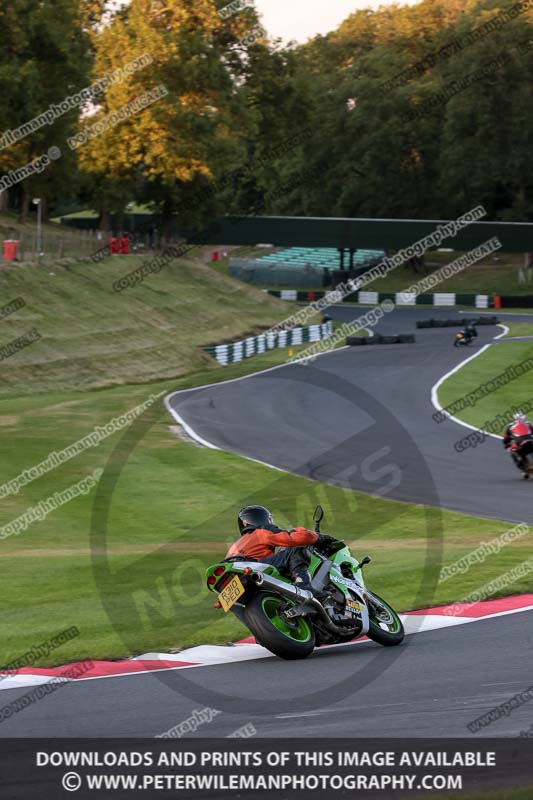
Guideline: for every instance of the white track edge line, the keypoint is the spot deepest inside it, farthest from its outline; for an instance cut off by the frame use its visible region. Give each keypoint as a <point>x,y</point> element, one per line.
<point>435,388</point>
<point>192,433</point>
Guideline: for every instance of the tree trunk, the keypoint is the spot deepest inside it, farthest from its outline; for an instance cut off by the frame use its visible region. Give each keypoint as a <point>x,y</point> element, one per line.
<point>166,221</point>
<point>104,223</point>
<point>4,200</point>
<point>24,205</point>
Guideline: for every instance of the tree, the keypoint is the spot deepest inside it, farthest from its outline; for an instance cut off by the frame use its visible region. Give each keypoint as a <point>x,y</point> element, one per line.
<point>172,149</point>
<point>41,38</point>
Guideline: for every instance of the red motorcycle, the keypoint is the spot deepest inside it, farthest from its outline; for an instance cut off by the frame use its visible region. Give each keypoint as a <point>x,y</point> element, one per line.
<point>521,448</point>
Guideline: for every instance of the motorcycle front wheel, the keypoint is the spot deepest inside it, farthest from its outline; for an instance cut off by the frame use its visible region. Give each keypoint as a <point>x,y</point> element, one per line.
<point>386,627</point>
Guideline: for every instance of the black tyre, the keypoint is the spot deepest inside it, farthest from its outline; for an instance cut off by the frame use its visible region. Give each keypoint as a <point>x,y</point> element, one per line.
<point>529,463</point>
<point>386,627</point>
<point>289,639</point>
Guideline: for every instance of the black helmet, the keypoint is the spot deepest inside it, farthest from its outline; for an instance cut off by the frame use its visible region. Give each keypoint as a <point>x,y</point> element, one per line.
<point>255,517</point>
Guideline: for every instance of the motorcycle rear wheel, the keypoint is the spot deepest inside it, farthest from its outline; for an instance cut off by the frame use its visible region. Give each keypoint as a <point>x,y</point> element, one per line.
<point>288,639</point>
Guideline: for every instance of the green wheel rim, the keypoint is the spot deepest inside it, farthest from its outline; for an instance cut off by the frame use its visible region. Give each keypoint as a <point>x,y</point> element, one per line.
<point>395,624</point>
<point>301,631</point>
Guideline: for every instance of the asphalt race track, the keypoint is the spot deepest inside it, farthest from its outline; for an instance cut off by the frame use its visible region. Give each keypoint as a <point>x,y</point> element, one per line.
<point>324,421</point>
<point>361,418</point>
<point>433,685</point>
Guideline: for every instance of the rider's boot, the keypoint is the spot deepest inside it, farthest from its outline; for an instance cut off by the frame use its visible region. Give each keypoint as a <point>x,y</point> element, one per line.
<point>303,581</point>
<point>520,464</point>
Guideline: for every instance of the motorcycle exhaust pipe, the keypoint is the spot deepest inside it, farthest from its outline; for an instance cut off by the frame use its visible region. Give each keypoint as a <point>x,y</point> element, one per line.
<point>288,590</point>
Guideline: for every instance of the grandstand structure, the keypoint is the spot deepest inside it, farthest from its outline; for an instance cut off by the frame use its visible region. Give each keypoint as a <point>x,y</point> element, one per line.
<point>328,257</point>
<point>302,266</point>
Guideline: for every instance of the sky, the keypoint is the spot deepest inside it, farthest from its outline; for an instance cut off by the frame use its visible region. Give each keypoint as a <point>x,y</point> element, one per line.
<point>301,19</point>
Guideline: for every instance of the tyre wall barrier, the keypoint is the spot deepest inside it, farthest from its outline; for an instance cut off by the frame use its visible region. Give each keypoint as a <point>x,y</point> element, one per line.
<point>253,345</point>
<point>456,323</point>
<point>359,341</point>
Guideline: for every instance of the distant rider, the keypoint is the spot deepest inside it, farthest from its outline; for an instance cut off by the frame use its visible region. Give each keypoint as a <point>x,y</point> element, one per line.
<point>514,431</point>
<point>469,331</point>
<point>260,536</point>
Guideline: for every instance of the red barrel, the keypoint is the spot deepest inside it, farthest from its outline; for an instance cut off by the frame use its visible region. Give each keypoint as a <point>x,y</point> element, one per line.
<point>114,245</point>
<point>497,301</point>
<point>214,255</point>
<point>10,249</point>
<point>311,296</point>
<point>125,245</point>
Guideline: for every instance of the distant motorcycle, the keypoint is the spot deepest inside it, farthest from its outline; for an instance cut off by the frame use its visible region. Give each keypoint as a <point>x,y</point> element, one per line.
<point>461,339</point>
<point>521,449</point>
<point>464,337</point>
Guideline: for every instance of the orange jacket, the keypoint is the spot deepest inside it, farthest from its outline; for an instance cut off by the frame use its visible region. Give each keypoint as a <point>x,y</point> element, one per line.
<point>260,543</point>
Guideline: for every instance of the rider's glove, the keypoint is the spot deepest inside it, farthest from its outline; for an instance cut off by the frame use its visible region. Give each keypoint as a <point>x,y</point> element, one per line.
<point>325,541</point>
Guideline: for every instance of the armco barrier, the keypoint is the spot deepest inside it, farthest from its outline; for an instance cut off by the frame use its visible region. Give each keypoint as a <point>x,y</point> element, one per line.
<point>456,323</point>
<point>443,299</point>
<point>403,338</point>
<point>237,351</point>
<point>480,301</point>
<point>516,301</point>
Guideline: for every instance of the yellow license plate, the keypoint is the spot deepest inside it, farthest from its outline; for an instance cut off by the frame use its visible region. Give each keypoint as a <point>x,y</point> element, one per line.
<point>231,593</point>
<point>353,605</point>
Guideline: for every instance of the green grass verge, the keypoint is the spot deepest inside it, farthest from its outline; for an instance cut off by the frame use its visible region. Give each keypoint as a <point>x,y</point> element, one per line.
<point>481,370</point>
<point>519,329</point>
<point>488,276</point>
<point>171,513</point>
<point>508,311</point>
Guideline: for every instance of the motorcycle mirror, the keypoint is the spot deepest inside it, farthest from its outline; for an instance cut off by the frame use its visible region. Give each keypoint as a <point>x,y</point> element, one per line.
<point>365,560</point>
<point>317,517</point>
<point>319,514</point>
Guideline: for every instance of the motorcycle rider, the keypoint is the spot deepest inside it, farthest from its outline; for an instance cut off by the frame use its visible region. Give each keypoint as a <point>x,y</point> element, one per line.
<point>469,331</point>
<point>519,427</point>
<point>259,536</point>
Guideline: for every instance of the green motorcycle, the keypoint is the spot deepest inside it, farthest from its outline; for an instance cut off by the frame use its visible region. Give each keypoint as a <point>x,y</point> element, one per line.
<point>291,622</point>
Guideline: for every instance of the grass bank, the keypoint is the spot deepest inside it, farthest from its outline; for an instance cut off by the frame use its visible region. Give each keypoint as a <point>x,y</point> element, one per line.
<point>93,337</point>
<point>124,562</point>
